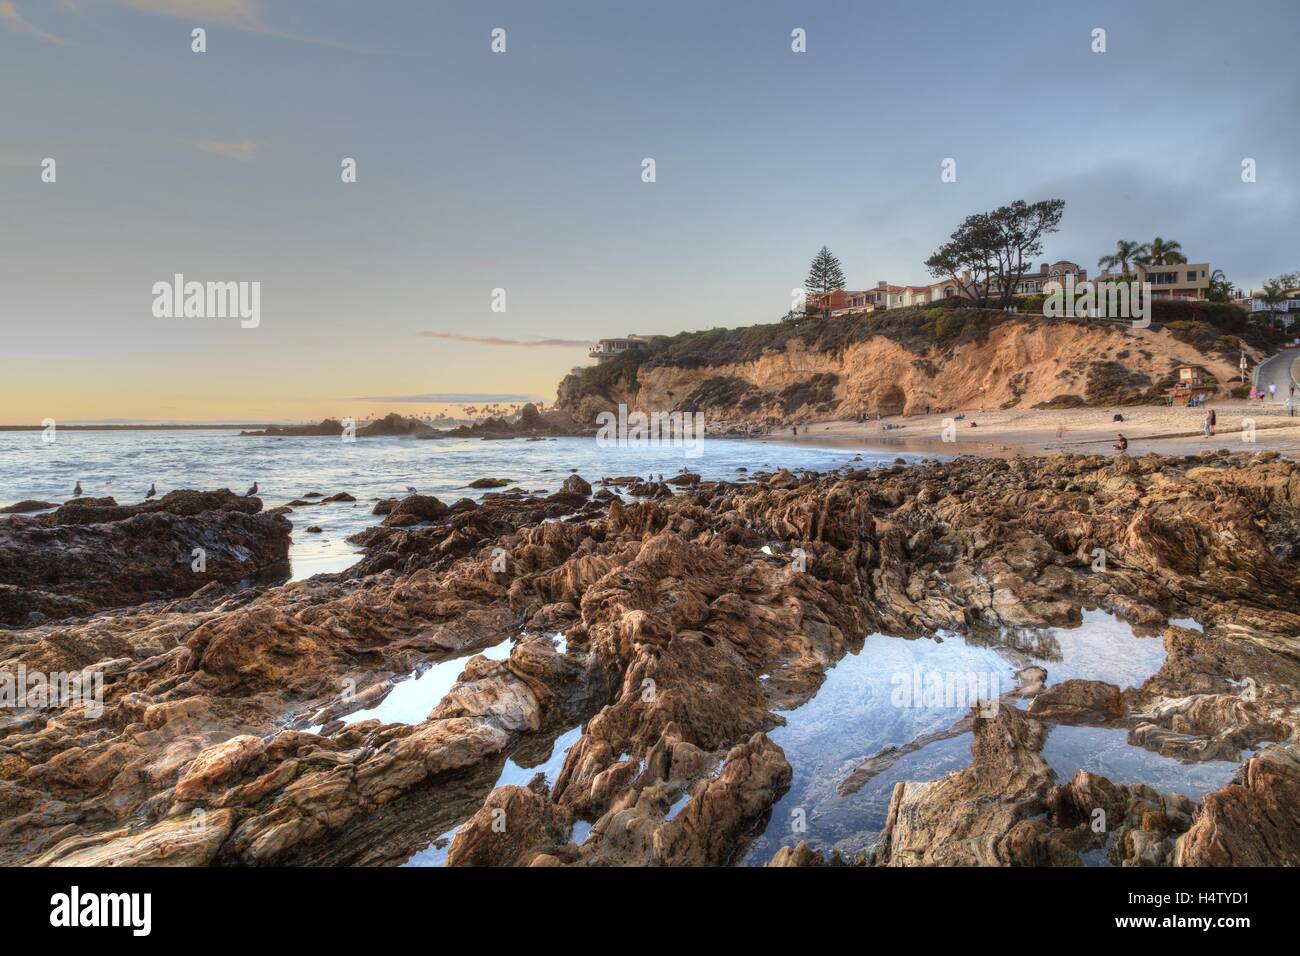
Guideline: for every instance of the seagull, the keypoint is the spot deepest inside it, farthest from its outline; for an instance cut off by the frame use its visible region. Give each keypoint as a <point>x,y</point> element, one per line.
<point>76,492</point>
<point>410,490</point>
<point>251,491</point>
<point>151,492</point>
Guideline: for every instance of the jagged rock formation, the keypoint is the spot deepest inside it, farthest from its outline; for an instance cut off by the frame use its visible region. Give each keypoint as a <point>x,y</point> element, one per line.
<point>93,553</point>
<point>671,611</point>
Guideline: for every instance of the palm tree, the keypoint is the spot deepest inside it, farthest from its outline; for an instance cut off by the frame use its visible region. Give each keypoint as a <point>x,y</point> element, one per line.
<point>1159,252</point>
<point>1125,252</point>
<point>1274,294</point>
<point>1220,287</point>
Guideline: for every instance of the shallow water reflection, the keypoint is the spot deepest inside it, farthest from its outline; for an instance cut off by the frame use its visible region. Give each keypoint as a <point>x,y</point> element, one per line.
<point>868,703</point>
<point>413,697</point>
<point>1106,751</point>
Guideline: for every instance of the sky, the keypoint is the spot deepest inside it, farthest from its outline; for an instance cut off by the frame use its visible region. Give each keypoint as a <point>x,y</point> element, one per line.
<point>522,171</point>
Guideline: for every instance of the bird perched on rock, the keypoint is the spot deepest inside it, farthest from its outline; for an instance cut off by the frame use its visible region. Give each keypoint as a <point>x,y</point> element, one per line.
<point>410,490</point>
<point>76,492</point>
<point>153,490</point>
<point>251,491</point>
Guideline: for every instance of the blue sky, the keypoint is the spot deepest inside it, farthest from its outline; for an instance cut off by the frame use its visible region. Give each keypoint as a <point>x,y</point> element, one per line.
<point>522,171</point>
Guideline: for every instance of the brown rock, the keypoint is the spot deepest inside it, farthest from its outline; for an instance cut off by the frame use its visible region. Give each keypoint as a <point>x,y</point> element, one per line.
<point>1253,821</point>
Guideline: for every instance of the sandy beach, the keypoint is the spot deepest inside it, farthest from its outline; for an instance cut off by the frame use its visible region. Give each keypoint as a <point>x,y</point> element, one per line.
<point>1149,428</point>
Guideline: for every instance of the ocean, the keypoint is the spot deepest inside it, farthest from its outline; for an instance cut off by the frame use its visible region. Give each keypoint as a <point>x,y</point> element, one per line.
<point>124,463</point>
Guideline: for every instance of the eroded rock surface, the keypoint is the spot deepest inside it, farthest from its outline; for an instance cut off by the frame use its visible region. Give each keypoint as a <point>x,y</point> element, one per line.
<point>93,553</point>
<point>221,739</point>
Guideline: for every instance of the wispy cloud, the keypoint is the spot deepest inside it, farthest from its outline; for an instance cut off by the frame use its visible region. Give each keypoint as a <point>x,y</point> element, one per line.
<point>450,398</point>
<point>246,15</point>
<point>241,14</point>
<point>18,160</point>
<point>241,150</point>
<point>14,20</point>
<point>494,340</point>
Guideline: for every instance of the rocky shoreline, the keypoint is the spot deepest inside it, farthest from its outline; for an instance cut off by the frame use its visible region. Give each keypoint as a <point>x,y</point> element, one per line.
<point>670,628</point>
<point>92,553</point>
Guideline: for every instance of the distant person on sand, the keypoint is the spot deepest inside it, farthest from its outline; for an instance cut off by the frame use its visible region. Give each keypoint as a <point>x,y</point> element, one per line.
<point>794,429</point>
<point>1272,390</point>
<point>1214,419</point>
<point>1121,445</point>
<point>1060,430</point>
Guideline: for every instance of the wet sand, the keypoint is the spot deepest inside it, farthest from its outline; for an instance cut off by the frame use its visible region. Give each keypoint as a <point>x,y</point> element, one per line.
<point>1148,428</point>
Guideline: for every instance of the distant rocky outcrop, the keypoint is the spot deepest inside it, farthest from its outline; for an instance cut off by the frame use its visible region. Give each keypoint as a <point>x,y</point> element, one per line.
<point>327,427</point>
<point>390,425</point>
<point>529,423</point>
<point>394,425</point>
<point>93,553</point>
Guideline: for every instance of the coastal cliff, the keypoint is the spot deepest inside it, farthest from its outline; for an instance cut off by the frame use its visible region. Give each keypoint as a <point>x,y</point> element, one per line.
<point>912,361</point>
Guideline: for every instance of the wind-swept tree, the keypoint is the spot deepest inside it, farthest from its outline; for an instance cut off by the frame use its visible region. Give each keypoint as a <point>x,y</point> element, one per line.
<point>989,253</point>
<point>824,277</point>
<point>967,258</point>
<point>1125,253</point>
<point>1020,228</point>
<point>1161,252</point>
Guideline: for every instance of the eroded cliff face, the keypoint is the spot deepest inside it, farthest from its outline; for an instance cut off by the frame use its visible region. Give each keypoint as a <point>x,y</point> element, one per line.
<point>1019,363</point>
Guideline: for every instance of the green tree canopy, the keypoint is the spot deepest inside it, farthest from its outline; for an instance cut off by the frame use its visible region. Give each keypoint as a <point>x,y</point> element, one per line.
<point>996,248</point>
<point>1162,252</point>
<point>1125,253</point>
<point>825,274</point>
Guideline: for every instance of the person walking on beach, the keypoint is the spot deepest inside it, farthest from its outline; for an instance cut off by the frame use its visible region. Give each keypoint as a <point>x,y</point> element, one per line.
<point>1121,445</point>
<point>1272,391</point>
<point>1214,419</point>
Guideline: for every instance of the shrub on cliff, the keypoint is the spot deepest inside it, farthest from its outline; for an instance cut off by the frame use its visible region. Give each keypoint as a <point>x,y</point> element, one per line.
<point>1111,383</point>
<point>1200,323</point>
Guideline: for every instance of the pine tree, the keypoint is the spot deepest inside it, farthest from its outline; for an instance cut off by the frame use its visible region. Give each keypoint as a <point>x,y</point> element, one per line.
<point>825,274</point>
<point>824,277</point>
